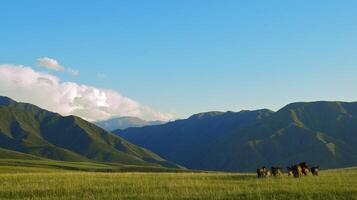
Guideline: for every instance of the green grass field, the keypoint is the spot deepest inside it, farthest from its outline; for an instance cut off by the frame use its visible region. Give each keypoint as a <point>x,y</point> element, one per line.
<point>34,180</point>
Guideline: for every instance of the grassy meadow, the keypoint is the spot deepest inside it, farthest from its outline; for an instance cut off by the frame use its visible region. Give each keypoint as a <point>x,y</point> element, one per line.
<point>40,182</point>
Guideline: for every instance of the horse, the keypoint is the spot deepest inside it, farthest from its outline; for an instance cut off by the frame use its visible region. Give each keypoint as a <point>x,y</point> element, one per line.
<point>276,171</point>
<point>297,171</point>
<point>263,172</point>
<point>315,170</point>
<point>290,171</point>
<point>305,168</point>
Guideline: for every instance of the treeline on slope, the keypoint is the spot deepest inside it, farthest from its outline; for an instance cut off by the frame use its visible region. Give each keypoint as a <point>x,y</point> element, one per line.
<point>320,133</point>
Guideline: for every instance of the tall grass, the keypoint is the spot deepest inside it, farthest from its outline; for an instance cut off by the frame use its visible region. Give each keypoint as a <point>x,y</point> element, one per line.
<point>90,185</point>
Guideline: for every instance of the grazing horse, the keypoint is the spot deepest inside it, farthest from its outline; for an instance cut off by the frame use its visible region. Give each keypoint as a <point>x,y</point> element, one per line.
<point>276,171</point>
<point>263,172</point>
<point>305,168</point>
<point>315,170</point>
<point>290,171</point>
<point>297,171</point>
<point>259,172</point>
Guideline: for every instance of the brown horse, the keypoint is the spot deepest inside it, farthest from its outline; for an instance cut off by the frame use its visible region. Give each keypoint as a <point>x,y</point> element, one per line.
<point>297,171</point>
<point>305,168</point>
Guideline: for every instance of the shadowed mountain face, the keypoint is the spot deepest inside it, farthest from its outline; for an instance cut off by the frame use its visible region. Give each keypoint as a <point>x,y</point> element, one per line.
<point>320,133</point>
<point>183,140</point>
<point>33,131</point>
<point>125,122</point>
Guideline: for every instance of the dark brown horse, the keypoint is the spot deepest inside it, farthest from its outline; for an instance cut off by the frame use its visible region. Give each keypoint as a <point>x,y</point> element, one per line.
<point>290,171</point>
<point>315,170</point>
<point>276,171</point>
<point>297,171</point>
<point>263,172</point>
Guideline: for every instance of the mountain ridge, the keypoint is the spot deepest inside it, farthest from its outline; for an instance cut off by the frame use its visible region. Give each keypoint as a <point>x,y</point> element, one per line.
<point>322,133</point>
<point>28,129</point>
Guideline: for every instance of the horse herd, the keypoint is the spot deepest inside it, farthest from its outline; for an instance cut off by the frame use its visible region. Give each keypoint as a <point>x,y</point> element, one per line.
<point>296,171</point>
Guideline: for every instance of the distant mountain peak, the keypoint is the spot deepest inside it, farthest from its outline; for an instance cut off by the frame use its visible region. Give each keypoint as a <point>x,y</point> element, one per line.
<point>125,122</point>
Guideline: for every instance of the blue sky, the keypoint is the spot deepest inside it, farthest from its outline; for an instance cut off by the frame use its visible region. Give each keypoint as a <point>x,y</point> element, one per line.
<point>184,57</point>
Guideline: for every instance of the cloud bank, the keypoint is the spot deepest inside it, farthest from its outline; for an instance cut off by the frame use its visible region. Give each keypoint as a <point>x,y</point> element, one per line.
<point>68,98</point>
<point>53,64</point>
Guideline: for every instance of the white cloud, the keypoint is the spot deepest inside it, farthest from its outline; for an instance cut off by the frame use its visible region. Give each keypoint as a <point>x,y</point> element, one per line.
<point>68,98</point>
<point>53,64</point>
<point>49,63</point>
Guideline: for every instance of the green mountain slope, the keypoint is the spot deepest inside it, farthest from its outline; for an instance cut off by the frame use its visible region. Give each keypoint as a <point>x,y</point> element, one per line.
<point>8,154</point>
<point>31,130</point>
<point>321,133</point>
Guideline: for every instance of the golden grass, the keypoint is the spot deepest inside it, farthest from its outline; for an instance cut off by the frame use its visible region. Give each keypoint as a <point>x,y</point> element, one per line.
<point>340,184</point>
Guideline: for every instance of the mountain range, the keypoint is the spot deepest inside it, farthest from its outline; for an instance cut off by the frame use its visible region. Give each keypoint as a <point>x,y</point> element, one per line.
<point>125,122</point>
<point>320,133</point>
<point>27,131</point>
